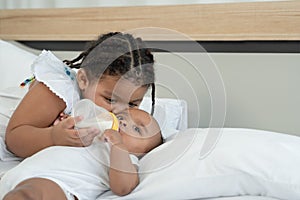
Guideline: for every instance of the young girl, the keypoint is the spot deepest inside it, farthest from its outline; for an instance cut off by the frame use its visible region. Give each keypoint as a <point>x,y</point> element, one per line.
<point>114,72</point>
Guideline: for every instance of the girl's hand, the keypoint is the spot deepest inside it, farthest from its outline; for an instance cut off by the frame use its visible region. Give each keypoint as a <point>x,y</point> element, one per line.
<point>61,117</point>
<point>64,134</point>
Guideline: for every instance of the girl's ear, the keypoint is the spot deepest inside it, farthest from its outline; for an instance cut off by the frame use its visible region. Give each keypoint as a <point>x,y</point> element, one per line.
<point>82,79</point>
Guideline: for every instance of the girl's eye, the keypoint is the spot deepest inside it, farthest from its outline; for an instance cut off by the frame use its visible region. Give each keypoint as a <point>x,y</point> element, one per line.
<point>137,129</point>
<point>109,100</point>
<point>132,105</point>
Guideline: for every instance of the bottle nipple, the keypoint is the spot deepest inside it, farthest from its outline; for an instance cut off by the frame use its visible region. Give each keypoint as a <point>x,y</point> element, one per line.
<point>115,124</point>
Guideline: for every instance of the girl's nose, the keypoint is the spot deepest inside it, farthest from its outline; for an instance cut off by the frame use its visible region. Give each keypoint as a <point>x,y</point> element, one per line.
<point>119,107</point>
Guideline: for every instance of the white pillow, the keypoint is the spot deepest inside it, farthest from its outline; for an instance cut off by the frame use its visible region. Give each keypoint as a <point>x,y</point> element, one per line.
<point>171,114</point>
<point>14,65</point>
<point>243,162</point>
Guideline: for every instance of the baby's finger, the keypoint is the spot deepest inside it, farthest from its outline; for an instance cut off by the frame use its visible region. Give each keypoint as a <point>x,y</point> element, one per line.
<point>102,138</point>
<point>113,137</point>
<point>106,136</point>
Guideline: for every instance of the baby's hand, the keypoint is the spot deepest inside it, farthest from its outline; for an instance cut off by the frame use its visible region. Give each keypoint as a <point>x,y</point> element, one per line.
<point>112,137</point>
<point>64,134</point>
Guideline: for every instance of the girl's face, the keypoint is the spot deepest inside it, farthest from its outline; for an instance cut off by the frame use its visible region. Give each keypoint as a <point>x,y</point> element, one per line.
<point>113,93</point>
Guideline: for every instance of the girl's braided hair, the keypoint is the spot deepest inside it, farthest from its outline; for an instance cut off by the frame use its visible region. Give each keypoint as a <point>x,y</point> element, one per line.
<point>118,54</point>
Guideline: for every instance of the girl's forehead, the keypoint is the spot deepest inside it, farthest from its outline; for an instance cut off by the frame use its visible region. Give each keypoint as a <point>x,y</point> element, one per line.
<point>114,81</point>
<point>119,86</point>
<point>120,89</point>
<point>104,79</point>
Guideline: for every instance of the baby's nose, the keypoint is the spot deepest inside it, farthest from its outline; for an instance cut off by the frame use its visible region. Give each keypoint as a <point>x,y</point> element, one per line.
<point>123,123</point>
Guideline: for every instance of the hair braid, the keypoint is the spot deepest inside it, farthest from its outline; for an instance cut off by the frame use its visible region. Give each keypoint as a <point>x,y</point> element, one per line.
<point>153,98</point>
<point>78,58</point>
<point>137,63</point>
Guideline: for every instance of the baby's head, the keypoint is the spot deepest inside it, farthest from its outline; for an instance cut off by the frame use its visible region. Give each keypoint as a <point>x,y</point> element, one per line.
<point>139,130</point>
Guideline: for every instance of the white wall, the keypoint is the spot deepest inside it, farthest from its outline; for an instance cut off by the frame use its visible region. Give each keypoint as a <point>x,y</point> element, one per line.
<point>262,90</point>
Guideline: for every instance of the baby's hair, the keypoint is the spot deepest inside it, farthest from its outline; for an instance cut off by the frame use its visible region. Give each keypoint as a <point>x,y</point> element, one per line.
<point>118,54</point>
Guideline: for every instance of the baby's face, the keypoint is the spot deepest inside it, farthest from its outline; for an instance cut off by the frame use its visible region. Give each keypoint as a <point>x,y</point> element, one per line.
<point>139,130</point>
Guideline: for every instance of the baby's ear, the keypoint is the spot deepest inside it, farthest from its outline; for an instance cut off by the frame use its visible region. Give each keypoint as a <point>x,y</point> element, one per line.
<point>82,79</point>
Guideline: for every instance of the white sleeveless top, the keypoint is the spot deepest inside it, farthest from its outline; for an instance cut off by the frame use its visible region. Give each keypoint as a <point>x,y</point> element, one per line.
<point>58,77</point>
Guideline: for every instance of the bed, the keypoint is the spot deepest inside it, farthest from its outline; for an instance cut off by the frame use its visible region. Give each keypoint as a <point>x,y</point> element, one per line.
<point>214,148</point>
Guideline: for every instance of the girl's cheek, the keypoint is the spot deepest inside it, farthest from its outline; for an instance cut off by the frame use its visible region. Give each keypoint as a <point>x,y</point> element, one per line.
<point>104,104</point>
<point>107,107</point>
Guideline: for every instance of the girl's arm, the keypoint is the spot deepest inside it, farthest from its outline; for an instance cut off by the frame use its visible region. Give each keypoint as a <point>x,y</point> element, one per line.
<point>123,175</point>
<point>29,129</point>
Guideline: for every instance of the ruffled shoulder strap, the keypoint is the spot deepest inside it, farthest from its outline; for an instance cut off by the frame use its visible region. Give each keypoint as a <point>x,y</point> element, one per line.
<point>58,77</point>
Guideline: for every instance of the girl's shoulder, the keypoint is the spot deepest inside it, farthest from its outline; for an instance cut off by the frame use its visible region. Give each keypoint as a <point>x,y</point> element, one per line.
<point>48,63</point>
<point>57,76</point>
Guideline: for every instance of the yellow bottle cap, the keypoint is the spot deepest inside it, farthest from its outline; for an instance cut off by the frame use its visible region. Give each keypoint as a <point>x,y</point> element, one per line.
<point>115,124</point>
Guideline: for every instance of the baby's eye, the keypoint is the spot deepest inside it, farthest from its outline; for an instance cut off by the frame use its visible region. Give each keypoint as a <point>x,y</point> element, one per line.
<point>137,129</point>
<point>119,117</point>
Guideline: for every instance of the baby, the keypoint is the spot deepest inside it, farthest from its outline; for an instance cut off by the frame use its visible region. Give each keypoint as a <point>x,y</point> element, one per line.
<point>61,172</point>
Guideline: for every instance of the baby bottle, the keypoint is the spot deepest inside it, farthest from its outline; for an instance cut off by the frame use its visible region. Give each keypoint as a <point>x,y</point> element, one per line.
<point>94,116</point>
